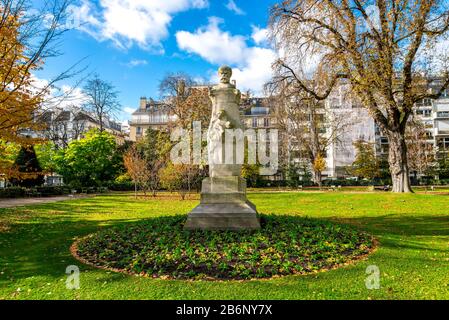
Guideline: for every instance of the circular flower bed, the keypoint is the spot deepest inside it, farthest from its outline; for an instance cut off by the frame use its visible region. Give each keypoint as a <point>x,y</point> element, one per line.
<point>285,245</point>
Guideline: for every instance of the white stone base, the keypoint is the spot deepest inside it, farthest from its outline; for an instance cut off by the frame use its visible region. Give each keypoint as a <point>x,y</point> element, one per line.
<point>223,206</point>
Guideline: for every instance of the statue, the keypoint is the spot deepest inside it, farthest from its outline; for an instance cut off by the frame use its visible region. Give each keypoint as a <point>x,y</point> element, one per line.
<point>224,205</point>
<point>225,99</point>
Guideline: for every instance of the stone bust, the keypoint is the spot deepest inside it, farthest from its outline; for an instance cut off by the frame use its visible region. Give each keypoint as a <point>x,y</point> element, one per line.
<point>225,74</point>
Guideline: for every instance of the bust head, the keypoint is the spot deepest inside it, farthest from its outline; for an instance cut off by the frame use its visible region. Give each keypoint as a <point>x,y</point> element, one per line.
<point>225,74</point>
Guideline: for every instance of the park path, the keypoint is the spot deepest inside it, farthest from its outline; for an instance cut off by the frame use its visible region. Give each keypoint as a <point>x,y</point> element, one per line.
<point>19,202</point>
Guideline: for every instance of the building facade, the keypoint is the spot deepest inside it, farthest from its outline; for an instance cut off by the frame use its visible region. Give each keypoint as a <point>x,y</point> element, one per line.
<point>257,113</point>
<point>340,112</point>
<point>351,122</point>
<point>62,125</point>
<point>432,114</point>
<point>151,114</point>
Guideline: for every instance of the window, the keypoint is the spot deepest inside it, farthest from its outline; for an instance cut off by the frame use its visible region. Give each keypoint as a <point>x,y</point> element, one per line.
<point>139,130</point>
<point>254,122</point>
<point>425,113</point>
<point>259,110</point>
<point>443,114</point>
<point>424,102</point>
<point>266,122</point>
<point>443,144</point>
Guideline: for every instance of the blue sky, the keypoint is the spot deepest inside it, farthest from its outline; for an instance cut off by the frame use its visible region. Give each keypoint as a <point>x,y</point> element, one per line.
<point>134,43</point>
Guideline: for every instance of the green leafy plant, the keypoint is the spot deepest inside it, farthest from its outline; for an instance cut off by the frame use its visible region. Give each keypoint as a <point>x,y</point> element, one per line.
<point>285,245</point>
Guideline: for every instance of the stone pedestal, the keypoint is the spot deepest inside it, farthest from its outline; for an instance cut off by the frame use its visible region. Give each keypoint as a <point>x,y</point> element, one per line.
<point>223,206</point>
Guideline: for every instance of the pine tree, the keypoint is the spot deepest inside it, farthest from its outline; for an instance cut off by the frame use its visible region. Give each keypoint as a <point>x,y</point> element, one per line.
<point>30,172</point>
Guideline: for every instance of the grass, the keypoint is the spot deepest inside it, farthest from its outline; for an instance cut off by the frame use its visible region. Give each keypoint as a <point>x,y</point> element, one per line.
<point>413,256</point>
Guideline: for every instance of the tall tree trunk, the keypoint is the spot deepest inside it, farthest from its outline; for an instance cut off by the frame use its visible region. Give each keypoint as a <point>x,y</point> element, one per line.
<point>397,159</point>
<point>317,177</point>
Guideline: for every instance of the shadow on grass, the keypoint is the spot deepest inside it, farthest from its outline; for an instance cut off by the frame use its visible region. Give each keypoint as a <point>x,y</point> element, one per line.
<point>402,224</point>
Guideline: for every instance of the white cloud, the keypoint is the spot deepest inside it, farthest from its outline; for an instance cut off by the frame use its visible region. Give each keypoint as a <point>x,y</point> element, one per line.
<point>129,110</point>
<point>73,96</point>
<point>259,35</point>
<point>136,62</point>
<point>251,65</point>
<point>128,22</point>
<point>213,44</point>
<point>61,96</point>
<point>232,6</point>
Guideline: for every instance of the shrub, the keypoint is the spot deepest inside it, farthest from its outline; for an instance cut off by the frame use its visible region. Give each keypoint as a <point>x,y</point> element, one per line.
<point>121,186</point>
<point>12,192</point>
<point>47,191</point>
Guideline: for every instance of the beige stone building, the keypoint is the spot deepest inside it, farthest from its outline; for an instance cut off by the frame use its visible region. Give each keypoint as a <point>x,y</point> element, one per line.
<point>255,113</point>
<point>151,114</point>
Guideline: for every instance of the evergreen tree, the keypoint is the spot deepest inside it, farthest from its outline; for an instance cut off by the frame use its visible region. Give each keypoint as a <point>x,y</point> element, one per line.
<point>30,172</point>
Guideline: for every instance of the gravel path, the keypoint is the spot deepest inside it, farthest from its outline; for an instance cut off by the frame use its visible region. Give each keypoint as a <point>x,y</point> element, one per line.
<point>19,202</point>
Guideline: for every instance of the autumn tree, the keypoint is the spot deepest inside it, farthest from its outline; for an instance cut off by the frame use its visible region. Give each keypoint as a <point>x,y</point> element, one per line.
<point>387,50</point>
<point>176,178</point>
<point>155,148</point>
<point>319,165</point>
<point>188,100</point>
<point>101,98</point>
<point>8,155</point>
<point>366,165</point>
<point>136,167</point>
<point>28,37</point>
<point>190,103</point>
<point>306,127</point>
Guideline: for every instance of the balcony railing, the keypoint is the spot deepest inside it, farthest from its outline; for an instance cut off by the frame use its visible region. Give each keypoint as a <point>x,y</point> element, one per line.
<point>149,122</point>
<point>443,114</point>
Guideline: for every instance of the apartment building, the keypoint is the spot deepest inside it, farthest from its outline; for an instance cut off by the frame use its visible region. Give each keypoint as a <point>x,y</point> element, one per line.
<point>348,122</point>
<point>440,117</point>
<point>62,125</point>
<point>433,114</point>
<point>151,114</point>
<point>257,113</point>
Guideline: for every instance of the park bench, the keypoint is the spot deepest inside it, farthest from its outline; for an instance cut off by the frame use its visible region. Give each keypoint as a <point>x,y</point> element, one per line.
<point>382,188</point>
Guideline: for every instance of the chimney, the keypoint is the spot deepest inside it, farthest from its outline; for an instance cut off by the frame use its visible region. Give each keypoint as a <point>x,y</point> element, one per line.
<point>143,103</point>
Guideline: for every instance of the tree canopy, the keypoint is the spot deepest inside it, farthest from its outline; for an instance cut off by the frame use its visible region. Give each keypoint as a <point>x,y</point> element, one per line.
<point>91,161</point>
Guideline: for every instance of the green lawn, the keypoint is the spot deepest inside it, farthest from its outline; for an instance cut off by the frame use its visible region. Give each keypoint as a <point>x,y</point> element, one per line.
<point>413,256</point>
